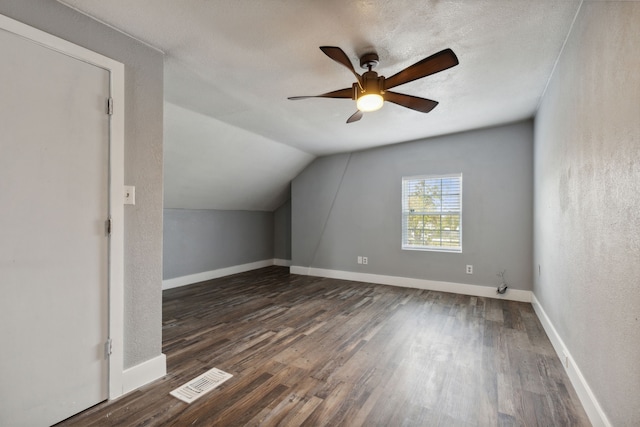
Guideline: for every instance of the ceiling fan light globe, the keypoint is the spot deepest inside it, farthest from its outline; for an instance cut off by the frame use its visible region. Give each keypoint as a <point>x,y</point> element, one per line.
<point>370,102</point>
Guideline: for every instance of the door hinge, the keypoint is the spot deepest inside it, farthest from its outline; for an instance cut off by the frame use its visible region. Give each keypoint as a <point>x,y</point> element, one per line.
<point>108,347</point>
<point>109,225</point>
<point>110,106</point>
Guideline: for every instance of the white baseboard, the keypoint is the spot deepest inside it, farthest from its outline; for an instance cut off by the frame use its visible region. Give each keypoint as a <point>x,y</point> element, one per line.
<point>144,373</point>
<point>221,272</point>
<point>589,402</point>
<point>282,262</point>
<point>407,282</point>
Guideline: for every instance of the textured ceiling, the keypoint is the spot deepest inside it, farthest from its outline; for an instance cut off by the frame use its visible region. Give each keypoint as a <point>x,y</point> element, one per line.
<point>230,66</point>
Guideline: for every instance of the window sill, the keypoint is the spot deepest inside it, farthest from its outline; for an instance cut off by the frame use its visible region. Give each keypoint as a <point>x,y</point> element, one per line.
<point>424,249</point>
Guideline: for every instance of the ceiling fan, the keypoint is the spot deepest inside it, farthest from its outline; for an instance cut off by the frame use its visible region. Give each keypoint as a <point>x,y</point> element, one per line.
<point>370,90</point>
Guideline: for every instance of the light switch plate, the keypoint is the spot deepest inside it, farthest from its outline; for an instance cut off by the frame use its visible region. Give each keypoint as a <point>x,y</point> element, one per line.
<point>129,195</point>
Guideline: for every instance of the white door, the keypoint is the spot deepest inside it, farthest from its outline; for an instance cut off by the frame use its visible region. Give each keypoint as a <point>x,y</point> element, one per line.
<point>54,148</point>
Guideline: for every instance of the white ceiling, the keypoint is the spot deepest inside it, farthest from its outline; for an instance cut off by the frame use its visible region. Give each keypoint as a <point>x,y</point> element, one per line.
<point>234,141</point>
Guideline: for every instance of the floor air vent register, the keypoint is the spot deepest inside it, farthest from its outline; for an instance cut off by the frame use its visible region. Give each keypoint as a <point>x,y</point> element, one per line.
<point>200,385</point>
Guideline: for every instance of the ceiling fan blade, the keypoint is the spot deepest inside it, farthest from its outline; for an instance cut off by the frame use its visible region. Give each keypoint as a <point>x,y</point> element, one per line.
<point>341,93</point>
<point>340,57</point>
<point>419,104</point>
<point>433,64</point>
<point>355,117</point>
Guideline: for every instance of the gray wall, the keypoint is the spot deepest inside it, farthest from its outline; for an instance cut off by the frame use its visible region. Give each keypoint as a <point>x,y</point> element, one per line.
<point>587,203</point>
<point>143,162</point>
<point>282,232</point>
<point>348,205</point>
<point>196,241</point>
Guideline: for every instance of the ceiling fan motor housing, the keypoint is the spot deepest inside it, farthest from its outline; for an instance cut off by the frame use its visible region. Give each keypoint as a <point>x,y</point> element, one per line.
<point>371,84</point>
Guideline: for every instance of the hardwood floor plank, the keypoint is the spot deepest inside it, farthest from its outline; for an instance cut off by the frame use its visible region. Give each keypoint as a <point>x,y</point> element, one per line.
<point>299,415</point>
<point>314,351</point>
<point>297,397</point>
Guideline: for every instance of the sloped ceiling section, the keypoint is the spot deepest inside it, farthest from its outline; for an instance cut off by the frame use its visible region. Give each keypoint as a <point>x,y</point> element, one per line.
<point>236,62</point>
<point>210,164</point>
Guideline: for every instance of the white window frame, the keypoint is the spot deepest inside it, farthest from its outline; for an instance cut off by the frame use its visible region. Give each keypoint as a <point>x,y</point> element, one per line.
<point>406,211</point>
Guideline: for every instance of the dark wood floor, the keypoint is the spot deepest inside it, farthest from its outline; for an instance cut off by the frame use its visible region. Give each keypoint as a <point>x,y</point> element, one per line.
<point>312,351</point>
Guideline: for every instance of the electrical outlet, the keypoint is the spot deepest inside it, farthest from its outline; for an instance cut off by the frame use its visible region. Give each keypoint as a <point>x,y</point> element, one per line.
<point>359,260</point>
<point>469,269</point>
<point>365,260</point>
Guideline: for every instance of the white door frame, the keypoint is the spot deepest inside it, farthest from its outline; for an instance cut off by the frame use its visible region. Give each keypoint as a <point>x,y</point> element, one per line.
<point>116,184</point>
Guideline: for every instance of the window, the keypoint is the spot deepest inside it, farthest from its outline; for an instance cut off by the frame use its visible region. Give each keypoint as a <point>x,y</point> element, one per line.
<point>432,213</point>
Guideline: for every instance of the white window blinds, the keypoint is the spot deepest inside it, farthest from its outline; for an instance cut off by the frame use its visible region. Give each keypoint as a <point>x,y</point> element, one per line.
<point>432,213</point>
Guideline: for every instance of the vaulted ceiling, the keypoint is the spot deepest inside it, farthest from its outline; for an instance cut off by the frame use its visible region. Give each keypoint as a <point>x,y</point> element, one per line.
<point>234,141</point>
